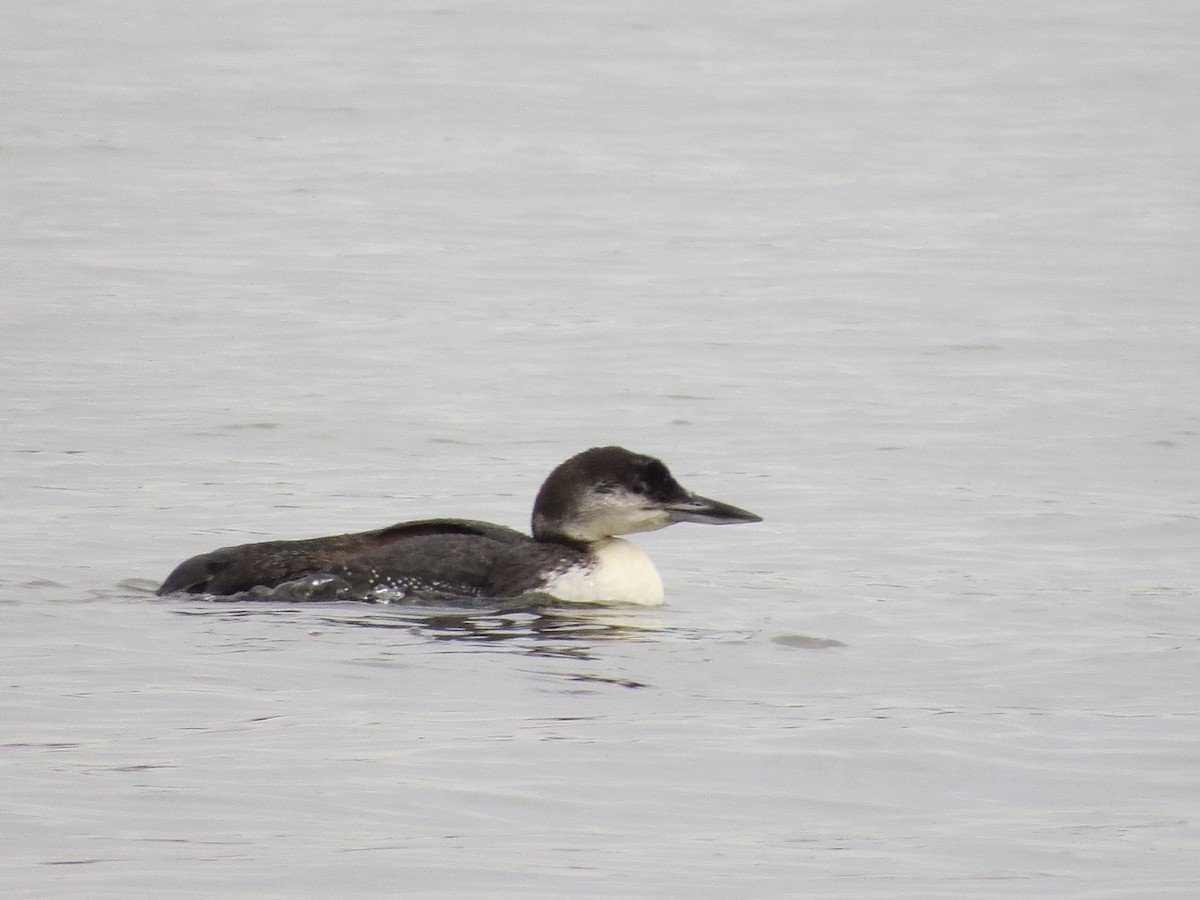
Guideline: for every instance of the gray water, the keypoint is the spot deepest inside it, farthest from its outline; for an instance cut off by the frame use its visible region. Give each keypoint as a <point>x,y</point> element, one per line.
<point>914,281</point>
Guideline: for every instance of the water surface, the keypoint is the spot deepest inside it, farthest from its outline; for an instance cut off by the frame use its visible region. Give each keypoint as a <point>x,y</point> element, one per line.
<point>917,283</point>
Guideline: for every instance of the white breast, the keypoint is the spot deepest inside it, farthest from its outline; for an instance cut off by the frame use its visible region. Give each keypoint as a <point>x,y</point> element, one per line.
<point>618,572</point>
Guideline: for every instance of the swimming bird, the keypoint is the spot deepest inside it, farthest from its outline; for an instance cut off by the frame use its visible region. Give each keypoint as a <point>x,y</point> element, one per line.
<point>574,555</point>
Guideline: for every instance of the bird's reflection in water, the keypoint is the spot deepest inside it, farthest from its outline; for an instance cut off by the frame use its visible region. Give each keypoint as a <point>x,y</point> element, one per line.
<point>542,629</point>
<point>538,625</point>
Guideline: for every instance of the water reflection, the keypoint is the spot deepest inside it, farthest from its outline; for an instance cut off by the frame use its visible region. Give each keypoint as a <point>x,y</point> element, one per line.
<point>540,627</point>
<point>540,632</point>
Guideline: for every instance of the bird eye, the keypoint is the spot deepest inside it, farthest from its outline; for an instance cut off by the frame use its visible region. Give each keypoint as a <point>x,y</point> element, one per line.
<point>655,473</point>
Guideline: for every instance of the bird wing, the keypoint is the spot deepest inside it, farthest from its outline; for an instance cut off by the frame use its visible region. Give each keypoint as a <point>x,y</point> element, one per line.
<point>231,570</point>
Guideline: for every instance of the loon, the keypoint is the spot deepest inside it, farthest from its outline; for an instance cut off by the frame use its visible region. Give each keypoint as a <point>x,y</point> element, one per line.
<point>574,554</point>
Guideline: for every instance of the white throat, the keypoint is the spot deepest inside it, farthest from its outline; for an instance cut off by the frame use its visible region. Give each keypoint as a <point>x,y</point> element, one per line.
<point>617,571</point>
